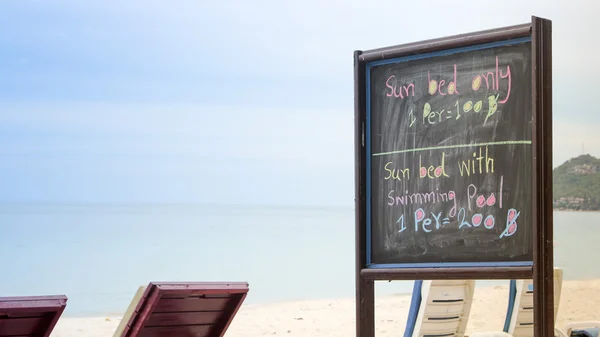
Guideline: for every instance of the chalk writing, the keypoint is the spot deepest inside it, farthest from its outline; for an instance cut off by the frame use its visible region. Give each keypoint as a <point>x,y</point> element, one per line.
<point>399,90</point>
<point>489,222</point>
<point>424,221</point>
<point>480,199</point>
<point>511,223</point>
<point>398,174</point>
<point>484,108</point>
<point>450,142</point>
<point>431,197</point>
<point>478,165</point>
<point>429,148</point>
<point>431,171</point>
<point>435,88</point>
<point>474,199</point>
<point>431,221</point>
<point>492,80</point>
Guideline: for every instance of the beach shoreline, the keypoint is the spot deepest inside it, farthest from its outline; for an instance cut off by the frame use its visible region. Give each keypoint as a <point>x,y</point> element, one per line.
<point>336,317</point>
<point>576,210</point>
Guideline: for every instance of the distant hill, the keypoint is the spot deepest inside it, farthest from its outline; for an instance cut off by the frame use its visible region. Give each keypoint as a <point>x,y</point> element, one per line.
<point>577,184</point>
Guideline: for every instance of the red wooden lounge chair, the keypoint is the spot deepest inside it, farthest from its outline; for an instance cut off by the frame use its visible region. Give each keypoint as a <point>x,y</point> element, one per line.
<point>30,316</point>
<point>182,309</point>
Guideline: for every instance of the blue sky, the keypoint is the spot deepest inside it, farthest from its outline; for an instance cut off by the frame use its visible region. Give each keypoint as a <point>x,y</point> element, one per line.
<point>228,101</point>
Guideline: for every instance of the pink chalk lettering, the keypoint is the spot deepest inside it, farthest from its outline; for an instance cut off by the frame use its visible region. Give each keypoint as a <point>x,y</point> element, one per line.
<point>501,185</point>
<point>454,83</point>
<point>399,90</point>
<point>476,219</point>
<point>419,214</point>
<point>511,223</point>
<point>509,84</point>
<point>471,195</point>
<point>487,79</point>
<point>410,86</point>
<point>387,84</point>
<point>481,201</point>
<point>497,79</point>
<point>491,200</point>
<point>489,222</point>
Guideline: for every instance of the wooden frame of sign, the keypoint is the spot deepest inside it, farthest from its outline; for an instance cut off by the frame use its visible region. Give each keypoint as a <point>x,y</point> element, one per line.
<point>453,163</point>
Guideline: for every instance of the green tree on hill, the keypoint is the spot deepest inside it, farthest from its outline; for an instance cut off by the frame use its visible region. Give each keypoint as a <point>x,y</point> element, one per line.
<point>577,184</point>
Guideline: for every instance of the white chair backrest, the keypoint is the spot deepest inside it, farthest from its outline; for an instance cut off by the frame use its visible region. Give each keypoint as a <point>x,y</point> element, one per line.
<point>521,323</point>
<point>445,308</point>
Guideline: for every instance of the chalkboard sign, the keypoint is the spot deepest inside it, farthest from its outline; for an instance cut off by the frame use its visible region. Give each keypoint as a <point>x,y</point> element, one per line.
<point>449,158</point>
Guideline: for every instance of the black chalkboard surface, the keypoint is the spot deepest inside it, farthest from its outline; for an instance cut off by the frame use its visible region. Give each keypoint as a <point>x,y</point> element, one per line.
<point>449,158</point>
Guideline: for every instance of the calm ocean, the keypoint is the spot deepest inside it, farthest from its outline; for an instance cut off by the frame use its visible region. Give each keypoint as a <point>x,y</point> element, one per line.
<point>99,254</point>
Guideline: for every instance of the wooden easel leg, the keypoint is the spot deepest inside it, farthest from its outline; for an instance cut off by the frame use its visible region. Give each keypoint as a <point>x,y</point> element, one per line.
<point>365,309</point>
<point>543,256</point>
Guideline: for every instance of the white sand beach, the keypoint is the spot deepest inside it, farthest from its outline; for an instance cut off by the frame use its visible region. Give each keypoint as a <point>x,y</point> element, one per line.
<point>335,318</point>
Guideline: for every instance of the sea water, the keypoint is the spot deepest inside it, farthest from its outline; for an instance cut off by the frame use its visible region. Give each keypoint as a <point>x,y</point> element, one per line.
<point>98,254</point>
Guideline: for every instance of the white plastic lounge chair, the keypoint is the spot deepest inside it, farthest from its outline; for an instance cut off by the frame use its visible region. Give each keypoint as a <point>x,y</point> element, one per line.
<point>519,317</point>
<point>440,308</point>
